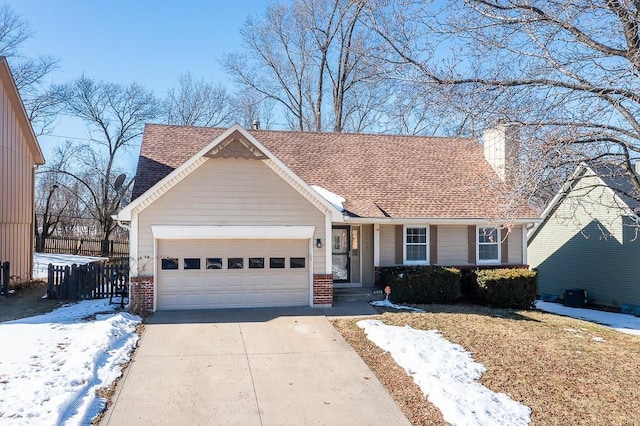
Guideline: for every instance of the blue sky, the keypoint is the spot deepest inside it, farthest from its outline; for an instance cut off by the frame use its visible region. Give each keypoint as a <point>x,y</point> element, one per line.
<point>150,42</point>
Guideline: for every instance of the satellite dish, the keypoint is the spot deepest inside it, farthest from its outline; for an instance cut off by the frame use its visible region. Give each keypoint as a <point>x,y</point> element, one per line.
<point>119,181</point>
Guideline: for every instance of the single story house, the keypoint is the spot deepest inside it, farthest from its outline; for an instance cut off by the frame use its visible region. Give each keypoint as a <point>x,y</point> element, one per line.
<point>20,154</point>
<point>589,238</point>
<point>250,218</point>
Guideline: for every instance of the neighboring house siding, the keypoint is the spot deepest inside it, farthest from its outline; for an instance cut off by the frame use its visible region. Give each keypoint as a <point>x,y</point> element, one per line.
<point>585,244</point>
<point>452,245</point>
<point>16,192</point>
<point>229,192</point>
<point>387,245</point>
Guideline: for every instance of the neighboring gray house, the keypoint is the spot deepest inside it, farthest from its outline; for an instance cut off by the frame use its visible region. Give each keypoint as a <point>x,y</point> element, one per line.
<point>589,238</point>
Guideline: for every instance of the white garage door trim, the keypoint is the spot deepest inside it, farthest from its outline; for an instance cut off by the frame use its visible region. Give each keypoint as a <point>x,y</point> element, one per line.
<point>190,232</point>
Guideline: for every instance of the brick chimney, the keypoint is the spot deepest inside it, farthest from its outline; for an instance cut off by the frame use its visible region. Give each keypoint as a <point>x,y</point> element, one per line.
<point>501,147</point>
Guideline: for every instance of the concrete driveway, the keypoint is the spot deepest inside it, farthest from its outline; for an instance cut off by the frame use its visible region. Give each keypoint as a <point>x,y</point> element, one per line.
<point>248,367</point>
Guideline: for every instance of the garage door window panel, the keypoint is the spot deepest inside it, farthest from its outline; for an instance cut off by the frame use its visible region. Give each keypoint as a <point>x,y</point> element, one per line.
<point>214,263</point>
<point>297,262</point>
<point>235,263</point>
<point>256,263</point>
<point>169,263</point>
<point>191,263</point>
<point>276,262</point>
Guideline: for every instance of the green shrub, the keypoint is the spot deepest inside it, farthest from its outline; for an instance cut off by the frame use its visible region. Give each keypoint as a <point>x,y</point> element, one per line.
<point>507,288</point>
<point>421,284</point>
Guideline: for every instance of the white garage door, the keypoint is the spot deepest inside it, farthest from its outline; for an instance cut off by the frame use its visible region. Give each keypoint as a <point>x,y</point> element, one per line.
<point>205,274</point>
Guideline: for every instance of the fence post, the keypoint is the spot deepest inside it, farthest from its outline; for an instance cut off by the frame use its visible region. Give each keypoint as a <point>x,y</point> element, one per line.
<point>75,282</point>
<point>65,283</point>
<point>50,282</point>
<point>5,278</point>
<point>89,283</point>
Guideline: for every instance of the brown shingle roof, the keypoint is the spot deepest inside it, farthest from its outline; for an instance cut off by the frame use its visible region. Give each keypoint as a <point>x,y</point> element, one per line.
<point>378,175</point>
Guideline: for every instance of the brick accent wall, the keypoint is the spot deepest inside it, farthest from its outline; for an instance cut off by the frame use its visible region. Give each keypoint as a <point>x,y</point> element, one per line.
<point>322,290</point>
<point>141,292</point>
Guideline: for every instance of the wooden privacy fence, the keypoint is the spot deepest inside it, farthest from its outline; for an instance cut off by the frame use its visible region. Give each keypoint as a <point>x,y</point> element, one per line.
<point>87,246</point>
<point>91,281</point>
<point>4,278</point>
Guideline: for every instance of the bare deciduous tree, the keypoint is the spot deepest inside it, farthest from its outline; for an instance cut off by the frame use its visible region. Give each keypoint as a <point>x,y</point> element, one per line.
<point>115,117</point>
<point>42,101</point>
<point>309,57</point>
<point>197,103</point>
<point>48,215</point>
<point>567,71</point>
<point>252,109</point>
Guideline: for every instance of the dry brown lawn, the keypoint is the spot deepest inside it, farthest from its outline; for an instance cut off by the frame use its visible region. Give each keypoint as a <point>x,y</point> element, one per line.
<point>569,372</point>
<point>26,301</point>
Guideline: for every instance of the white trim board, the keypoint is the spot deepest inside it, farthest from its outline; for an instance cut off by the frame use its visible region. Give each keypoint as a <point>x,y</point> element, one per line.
<point>201,232</point>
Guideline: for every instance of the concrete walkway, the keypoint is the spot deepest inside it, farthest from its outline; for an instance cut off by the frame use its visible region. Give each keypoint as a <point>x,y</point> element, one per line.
<point>249,367</point>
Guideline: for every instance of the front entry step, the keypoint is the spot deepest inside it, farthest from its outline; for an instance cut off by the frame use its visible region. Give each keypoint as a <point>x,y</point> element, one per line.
<point>357,294</point>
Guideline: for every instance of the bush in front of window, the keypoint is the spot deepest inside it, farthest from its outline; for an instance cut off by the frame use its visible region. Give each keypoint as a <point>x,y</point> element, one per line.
<point>421,284</point>
<point>507,288</point>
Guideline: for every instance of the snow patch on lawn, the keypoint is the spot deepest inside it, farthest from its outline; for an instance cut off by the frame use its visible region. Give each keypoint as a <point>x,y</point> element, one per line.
<point>51,365</point>
<point>41,262</point>
<point>624,323</point>
<point>447,375</point>
<point>386,303</point>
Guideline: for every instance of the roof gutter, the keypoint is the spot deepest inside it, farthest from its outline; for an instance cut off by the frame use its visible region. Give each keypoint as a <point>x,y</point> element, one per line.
<point>439,220</point>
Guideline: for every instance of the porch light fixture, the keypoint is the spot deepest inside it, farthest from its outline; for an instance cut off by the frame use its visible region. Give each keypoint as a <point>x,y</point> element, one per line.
<point>318,243</point>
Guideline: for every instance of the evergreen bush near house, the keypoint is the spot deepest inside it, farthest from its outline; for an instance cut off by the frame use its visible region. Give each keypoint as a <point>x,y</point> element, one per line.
<point>469,290</point>
<point>421,284</point>
<point>507,288</point>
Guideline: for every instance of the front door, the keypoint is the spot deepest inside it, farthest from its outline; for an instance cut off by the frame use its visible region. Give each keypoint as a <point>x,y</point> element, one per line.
<point>340,254</point>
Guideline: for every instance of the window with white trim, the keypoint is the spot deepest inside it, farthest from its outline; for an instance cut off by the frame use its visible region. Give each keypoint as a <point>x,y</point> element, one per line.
<point>416,244</point>
<point>488,245</point>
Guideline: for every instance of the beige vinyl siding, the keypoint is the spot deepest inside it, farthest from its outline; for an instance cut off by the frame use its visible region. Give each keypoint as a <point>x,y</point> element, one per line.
<point>515,246</point>
<point>387,245</point>
<point>367,256</point>
<point>452,245</point>
<point>16,192</point>
<point>229,192</point>
<point>587,244</point>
